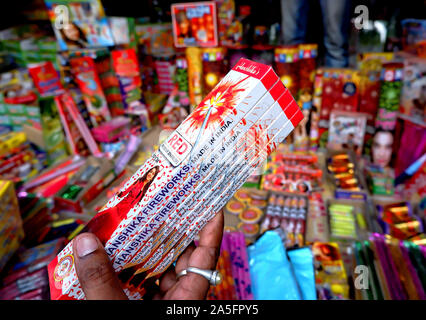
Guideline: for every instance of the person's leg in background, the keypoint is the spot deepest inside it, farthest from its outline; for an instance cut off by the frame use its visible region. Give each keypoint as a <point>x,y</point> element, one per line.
<point>294,14</point>
<point>336,16</point>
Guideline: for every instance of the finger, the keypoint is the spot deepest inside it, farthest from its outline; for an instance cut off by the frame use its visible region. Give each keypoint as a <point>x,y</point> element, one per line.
<point>194,286</point>
<point>206,254</point>
<point>94,269</point>
<point>212,233</point>
<point>169,285</point>
<point>167,280</point>
<point>182,262</point>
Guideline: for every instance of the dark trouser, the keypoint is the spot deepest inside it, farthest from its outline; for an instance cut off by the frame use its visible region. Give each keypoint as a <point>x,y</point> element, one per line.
<point>336,20</point>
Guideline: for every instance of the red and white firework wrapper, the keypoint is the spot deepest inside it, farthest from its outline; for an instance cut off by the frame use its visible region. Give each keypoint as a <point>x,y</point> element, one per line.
<point>226,186</point>
<point>169,178</point>
<point>210,171</point>
<point>265,127</point>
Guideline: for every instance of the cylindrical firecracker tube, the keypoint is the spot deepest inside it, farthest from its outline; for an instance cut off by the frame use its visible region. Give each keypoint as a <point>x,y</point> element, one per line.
<point>213,67</point>
<point>286,66</point>
<point>195,75</point>
<point>307,66</point>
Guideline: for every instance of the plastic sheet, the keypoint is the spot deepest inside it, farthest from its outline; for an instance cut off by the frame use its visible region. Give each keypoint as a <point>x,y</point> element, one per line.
<point>270,271</point>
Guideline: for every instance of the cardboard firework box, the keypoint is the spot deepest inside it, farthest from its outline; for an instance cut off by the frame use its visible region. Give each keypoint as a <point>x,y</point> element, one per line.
<point>163,206</point>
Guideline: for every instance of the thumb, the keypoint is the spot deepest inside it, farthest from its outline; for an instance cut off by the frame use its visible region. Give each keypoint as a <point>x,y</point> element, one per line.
<point>94,269</point>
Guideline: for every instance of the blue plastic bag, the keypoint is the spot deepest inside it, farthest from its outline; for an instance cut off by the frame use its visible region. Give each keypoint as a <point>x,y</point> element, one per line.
<point>270,271</point>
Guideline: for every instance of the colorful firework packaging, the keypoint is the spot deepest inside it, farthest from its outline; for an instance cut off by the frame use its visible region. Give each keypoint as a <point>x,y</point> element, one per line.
<point>399,221</point>
<point>156,39</point>
<point>12,231</point>
<point>226,290</point>
<point>345,177</point>
<point>390,94</point>
<point>395,268</point>
<point>286,59</point>
<point>91,89</point>
<point>346,131</point>
<point>213,67</point>
<point>110,84</point>
<point>342,222</point>
<point>307,66</point>
<point>226,16</point>
<point>330,270</point>
<point>67,108</point>
<point>244,212</point>
<point>288,212</point>
<point>85,184</point>
<point>379,180</point>
<point>195,75</point>
<point>370,66</point>
<point>46,78</point>
<point>317,229</point>
<point>126,67</point>
<point>195,24</point>
<point>53,135</point>
<point>112,130</point>
<point>184,183</point>
<point>164,68</point>
<point>234,248</point>
<point>336,89</point>
<point>292,172</point>
<point>182,75</point>
<point>26,276</point>
<point>413,99</point>
<point>74,137</point>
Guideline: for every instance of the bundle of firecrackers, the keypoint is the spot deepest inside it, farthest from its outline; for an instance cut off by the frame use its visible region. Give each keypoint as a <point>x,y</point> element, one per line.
<point>288,212</point>
<point>177,191</point>
<point>233,265</point>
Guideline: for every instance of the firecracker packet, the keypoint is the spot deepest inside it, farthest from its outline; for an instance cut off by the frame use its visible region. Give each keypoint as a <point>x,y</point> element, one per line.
<point>163,206</point>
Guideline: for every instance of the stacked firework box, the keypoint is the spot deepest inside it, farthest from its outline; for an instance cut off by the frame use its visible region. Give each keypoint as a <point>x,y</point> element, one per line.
<point>163,206</point>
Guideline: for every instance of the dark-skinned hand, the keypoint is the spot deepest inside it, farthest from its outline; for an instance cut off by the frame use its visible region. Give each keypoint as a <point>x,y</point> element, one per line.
<point>99,281</point>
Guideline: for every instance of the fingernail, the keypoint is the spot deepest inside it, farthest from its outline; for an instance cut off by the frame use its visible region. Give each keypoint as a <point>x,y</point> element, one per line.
<point>85,245</point>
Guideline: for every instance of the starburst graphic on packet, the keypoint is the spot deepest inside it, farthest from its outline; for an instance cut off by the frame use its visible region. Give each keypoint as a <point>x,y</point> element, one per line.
<point>216,106</point>
<point>259,140</point>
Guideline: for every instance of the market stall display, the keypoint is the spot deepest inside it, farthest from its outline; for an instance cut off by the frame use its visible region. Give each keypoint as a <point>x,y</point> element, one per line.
<point>141,129</point>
